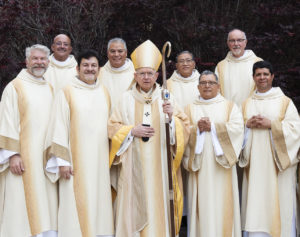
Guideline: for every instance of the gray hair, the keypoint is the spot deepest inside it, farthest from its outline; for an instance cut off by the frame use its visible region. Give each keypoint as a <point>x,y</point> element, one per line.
<point>119,40</point>
<point>40,47</point>
<point>238,30</point>
<point>183,52</point>
<point>207,72</point>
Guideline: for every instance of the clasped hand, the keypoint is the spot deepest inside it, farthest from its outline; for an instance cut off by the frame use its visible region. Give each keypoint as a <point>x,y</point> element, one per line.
<point>204,124</point>
<point>258,121</point>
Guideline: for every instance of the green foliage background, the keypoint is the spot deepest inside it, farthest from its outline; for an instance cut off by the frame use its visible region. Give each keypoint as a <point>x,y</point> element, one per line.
<point>272,28</point>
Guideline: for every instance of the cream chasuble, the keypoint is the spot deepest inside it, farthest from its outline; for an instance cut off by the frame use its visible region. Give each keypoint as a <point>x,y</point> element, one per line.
<point>78,134</point>
<point>213,189</point>
<point>235,76</point>
<point>59,74</point>
<point>142,204</point>
<point>117,80</point>
<point>269,158</point>
<point>29,200</point>
<point>185,90</point>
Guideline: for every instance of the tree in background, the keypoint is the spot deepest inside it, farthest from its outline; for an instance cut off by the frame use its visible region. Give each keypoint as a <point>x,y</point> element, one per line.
<point>272,28</point>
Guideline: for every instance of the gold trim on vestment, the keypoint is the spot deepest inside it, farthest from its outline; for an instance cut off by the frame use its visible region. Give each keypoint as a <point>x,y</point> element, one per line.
<point>176,165</point>
<point>78,183</point>
<point>58,151</point>
<point>228,205</point>
<point>220,69</point>
<point>192,146</point>
<point>226,144</point>
<point>116,142</point>
<point>28,182</point>
<point>10,144</point>
<point>281,153</point>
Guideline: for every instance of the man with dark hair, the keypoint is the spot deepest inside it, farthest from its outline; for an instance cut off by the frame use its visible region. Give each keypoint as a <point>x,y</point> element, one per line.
<point>211,155</point>
<point>117,74</point>
<point>77,153</point>
<point>183,85</point>
<point>234,71</point>
<point>184,80</point>
<point>62,66</point>
<point>269,156</point>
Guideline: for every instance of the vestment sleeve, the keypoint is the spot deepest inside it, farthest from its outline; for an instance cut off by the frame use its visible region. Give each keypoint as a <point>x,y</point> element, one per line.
<point>117,132</point>
<point>57,142</point>
<point>230,135</point>
<point>286,138</point>
<point>9,122</point>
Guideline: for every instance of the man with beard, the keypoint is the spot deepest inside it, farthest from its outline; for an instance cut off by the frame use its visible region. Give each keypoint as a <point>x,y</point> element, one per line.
<point>62,66</point>
<point>78,153</point>
<point>117,74</point>
<point>29,198</point>
<point>234,71</point>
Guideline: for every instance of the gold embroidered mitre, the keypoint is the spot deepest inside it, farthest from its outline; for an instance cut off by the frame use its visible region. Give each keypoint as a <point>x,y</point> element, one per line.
<point>146,55</point>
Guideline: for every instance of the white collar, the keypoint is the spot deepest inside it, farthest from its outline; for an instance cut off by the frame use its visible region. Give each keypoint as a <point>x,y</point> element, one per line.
<point>265,93</point>
<point>186,78</point>
<point>122,68</point>
<point>62,63</point>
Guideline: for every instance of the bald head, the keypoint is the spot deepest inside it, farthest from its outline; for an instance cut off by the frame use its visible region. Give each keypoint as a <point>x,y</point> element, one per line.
<point>61,47</point>
<point>237,42</point>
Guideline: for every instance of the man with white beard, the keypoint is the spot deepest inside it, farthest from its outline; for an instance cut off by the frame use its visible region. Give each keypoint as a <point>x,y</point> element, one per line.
<point>29,199</point>
<point>235,71</point>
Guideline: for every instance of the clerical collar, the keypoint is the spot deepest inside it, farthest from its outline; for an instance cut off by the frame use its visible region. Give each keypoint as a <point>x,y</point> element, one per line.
<point>122,68</point>
<point>245,55</point>
<point>208,100</point>
<point>265,93</point>
<point>186,78</point>
<point>62,63</point>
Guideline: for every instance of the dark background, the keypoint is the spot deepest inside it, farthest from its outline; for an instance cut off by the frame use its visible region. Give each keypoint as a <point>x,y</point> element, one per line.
<point>272,28</point>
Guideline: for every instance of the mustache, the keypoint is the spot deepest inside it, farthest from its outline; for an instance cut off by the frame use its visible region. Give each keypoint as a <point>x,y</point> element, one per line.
<point>39,66</point>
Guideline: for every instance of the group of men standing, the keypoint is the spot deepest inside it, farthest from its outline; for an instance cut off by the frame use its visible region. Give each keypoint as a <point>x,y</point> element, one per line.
<point>83,148</point>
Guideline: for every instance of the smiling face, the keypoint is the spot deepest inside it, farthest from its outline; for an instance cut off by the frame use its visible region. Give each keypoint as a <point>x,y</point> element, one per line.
<point>116,54</point>
<point>185,64</point>
<point>237,43</point>
<point>61,47</point>
<point>145,78</point>
<point>37,63</point>
<point>263,79</point>
<point>88,70</point>
<point>208,86</point>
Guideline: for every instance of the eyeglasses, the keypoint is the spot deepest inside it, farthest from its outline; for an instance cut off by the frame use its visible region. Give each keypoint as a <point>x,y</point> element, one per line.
<point>232,41</point>
<point>144,74</point>
<point>120,51</point>
<point>188,60</point>
<point>209,83</point>
<point>58,43</point>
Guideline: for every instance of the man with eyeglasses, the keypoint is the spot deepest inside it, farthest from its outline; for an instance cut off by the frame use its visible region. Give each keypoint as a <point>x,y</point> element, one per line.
<point>184,80</point>
<point>62,65</point>
<point>117,74</point>
<point>183,85</point>
<point>211,155</point>
<point>138,147</point>
<point>234,71</point>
